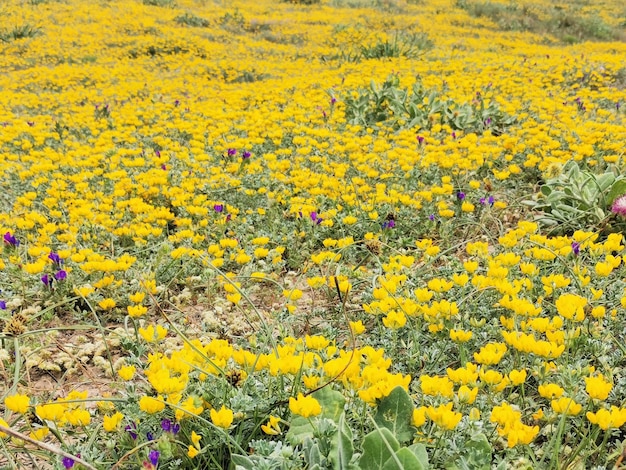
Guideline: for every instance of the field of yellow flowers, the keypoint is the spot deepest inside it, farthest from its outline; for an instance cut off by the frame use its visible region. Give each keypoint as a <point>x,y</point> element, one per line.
<point>336,234</point>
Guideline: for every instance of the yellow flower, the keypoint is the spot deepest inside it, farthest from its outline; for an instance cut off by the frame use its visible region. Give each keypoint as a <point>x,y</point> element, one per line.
<point>597,387</point>
<point>436,386</point>
<point>195,438</point>
<point>272,427</point>
<point>110,423</point>
<point>192,452</point>
<point>571,306</point>
<point>153,333</point>
<point>517,377</point>
<point>550,390</point>
<point>135,311</point>
<point>444,417</point>
<point>4,424</point>
<point>490,354</point>
<point>191,406</point>
<point>151,405</point>
<point>566,405</point>
<point>39,434</point>
<point>126,372</point>
<point>419,416</point>
<point>222,418</point>
<point>460,336</point>
<point>304,406</point>
<point>137,297</point>
<point>357,327</point>
<point>17,403</point>
<point>466,394</point>
<point>78,417</point>
<point>51,412</point>
<point>608,419</point>
<point>107,304</point>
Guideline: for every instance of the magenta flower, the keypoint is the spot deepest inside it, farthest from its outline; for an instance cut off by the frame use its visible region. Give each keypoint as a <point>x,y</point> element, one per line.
<point>619,206</point>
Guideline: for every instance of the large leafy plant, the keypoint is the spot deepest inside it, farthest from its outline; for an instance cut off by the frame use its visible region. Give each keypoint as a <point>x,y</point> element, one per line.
<point>578,199</point>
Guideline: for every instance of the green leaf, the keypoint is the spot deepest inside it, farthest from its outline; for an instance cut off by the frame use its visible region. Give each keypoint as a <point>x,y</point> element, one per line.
<point>242,462</point>
<point>402,460</point>
<point>332,404</point>
<point>617,190</point>
<point>312,453</point>
<point>394,413</point>
<point>378,447</point>
<point>476,455</point>
<point>605,181</point>
<point>420,452</point>
<point>341,447</point>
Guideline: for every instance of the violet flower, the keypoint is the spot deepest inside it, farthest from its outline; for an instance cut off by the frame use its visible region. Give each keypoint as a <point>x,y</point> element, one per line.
<point>11,240</point>
<point>154,457</point>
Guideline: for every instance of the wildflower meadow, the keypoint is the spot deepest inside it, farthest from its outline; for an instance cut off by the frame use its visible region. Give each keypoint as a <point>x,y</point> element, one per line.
<point>317,234</point>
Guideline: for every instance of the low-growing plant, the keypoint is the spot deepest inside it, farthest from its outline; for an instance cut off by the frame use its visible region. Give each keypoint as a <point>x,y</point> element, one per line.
<point>399,108</point>
<point>402,45</point>
<point>20,32</point>
<point>578,199</point>
<point>189,19</point>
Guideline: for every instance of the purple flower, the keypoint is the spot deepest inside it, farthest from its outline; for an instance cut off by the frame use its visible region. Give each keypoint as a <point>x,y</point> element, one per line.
<point>168,426</point>
<point>150,436</point>
<point>157,153</point>
<point>47,280</point>
<point>228,217</point>
<point>3,305</point>
<point>420,139</point>
<point>460,195</point>
<point>132,430</point>
<point>432,217</point>
<point>68,462</point>
<point>389,224</point>
<point>490,200</point>
<point>315,218</point>
<point>55,258</point>
<point>163,167</point>
<point>333,100</point>
<point>11,240</point>
<point>218,207</point>
<point>231,152</point>
<point>154,457</point>
<point>576,248</point>
<point>454,135</point>
<point>619,206</point>
<point>246,155</point>
<point>487,122</point>
<point>176,103</point>
<point>61,275</point>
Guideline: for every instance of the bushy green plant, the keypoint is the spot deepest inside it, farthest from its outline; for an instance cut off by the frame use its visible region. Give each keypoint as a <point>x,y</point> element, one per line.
<point>20,32</point>
<point>391,105</point>
<point>578,199</point>
<point>190,19</point>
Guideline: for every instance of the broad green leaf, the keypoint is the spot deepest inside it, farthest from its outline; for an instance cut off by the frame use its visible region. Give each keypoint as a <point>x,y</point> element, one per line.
<point>618,189</point>
<point>378,446</point>
<point>341,447</point>
<point>394,413</point>
<point>242,462</point>
<point>404,459</point>
<point>420,452</point>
